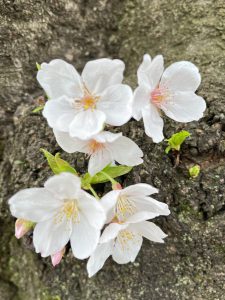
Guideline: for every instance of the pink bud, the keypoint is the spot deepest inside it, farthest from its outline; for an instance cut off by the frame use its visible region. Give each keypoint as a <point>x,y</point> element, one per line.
<point>22,227</point>
<point>117,186</point>
<point>57,257</point>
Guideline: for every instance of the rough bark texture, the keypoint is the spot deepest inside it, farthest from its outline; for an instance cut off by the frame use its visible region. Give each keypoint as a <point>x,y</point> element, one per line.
<point>190,265</point>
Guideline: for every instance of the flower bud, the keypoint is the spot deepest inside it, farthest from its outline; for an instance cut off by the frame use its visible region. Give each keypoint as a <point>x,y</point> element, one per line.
<point>57,257</point>
<point>117,186</point>
<point>22,227</point>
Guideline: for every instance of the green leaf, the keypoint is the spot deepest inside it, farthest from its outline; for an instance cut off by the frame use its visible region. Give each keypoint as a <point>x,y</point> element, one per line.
<point>63,165</point>
<point>38,66</point>
<point>38,108</point>
<point>194,171</point>
<point>176,140</point>
<point>51,161</point>
<point>57,164</point>
<point>112,171</point>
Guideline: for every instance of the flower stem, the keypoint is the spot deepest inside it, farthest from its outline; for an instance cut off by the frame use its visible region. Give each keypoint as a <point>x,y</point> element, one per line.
<point>93,192</point>
<point>113,181</point>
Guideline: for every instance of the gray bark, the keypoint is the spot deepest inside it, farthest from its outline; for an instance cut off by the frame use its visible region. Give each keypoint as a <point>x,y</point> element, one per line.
<point>190,265</point>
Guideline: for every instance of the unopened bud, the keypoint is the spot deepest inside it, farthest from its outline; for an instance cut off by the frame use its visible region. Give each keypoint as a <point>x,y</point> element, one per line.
<point>22,227</point>
<point>57,257</point>
<point>117,186</point>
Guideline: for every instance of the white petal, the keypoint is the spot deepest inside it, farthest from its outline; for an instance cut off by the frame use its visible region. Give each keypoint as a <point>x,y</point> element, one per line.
<point>58,78</point>
<point>107,137</point>
<point>51,236</point>
<point>127,246</point>
<point>150,72</point>
<point>64,186</point>
<point>116,103</point>
<point>34,204</point>
<point>153,123</point>
<point>111,232</point>
<point>142,216</point>
<point>87,123</point>
<point>150,231</point>
<point>151,205</point>
<point>92,209</point>
<point>185,107</point>
<point>181,76</point>
<point>102,73</point>
<point>126,152</point>
<point>108,202</point>
<point>84,238</point>
<point>70,144</point>
<point>139,189</point>
<point>98,161</point>
<point>57,110</point>
<point>141,99</point>
<point>98,258</point>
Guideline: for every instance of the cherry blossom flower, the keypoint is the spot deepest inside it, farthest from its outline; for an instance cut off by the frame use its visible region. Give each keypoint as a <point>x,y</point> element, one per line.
<point>172,91</point>
<point>63,212</point>
<point>131,200</point>
<point>82,104</point>
<point>123,241</point>
<point>103,149</point>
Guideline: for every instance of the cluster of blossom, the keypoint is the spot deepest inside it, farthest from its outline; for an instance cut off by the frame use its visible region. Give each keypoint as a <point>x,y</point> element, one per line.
<point>78,109</point>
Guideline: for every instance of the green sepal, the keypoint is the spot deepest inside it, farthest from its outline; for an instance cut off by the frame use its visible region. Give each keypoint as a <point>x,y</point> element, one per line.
<point>112,171</point>
<point>38,66</point>
<point>57,164</point>
<point>38,108</point>
<point>176,140</point>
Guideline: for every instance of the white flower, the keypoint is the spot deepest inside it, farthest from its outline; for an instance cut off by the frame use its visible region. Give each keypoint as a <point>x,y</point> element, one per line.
<point>172,91</point>
<point>63,212</point>
<point>123,241</point>
<point>121,204</point>
<point>82,104</point>
<point>103,149</point>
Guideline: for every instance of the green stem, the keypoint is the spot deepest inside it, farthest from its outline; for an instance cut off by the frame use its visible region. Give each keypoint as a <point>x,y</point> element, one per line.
<point>113,181</point>
<point>93,192</point>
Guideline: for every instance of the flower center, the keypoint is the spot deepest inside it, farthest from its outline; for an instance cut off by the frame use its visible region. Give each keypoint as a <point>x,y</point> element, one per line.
<point>88,101</point>
<point>95,146</point>
<point>124,208</point>
<point>160,95</point>
<point>69,210</point>
<point>124,237</point>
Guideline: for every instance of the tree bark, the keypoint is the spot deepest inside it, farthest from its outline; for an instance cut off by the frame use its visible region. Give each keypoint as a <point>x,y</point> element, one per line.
<point>190,265</point>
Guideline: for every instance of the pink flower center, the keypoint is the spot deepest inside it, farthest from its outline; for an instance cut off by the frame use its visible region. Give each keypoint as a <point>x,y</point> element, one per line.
<point>159,95</point>
<point>95,146</point>
<point>88,101</point>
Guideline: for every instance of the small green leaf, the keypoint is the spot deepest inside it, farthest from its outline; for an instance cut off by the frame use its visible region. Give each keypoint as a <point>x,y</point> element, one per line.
<point>112,171</point>
<point>38,108</point>
<point>168,148</point>
<point>57,164</point>
<point>176,140</point>
<point>63,165</point>
<point>51,161</point>
<point>194,171</point>
<point>38,66</point>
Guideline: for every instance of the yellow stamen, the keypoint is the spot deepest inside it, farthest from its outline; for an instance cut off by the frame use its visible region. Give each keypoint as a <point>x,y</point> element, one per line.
<point>124,237</point>
<point>124,208</point>
<point>69,210</point>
